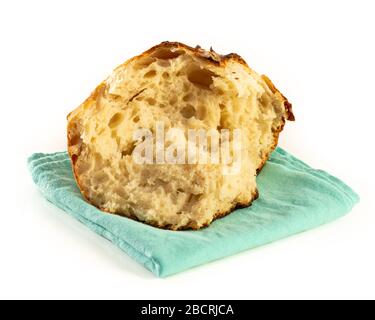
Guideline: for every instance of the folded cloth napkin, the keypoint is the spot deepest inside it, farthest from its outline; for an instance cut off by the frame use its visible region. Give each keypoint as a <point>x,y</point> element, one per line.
<point>293,198</point>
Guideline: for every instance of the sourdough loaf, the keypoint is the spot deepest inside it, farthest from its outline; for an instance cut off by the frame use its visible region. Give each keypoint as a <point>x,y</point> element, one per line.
<point>179,87</point>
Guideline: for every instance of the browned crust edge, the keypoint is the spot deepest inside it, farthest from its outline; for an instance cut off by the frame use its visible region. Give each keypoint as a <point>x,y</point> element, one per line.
<point>218,60</point>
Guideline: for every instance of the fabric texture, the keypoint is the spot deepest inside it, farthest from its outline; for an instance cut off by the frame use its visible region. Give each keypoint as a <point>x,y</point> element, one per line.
<point>293,198</point>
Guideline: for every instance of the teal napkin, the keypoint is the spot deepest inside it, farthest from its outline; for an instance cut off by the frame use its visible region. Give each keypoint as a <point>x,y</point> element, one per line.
<point>293,198</point>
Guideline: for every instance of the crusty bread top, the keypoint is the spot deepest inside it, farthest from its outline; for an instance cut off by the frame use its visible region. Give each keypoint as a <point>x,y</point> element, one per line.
<point>219,60</point>
<point>211,57</point>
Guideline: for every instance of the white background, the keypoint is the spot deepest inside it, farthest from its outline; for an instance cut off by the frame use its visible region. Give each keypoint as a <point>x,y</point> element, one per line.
<point>319,53</point>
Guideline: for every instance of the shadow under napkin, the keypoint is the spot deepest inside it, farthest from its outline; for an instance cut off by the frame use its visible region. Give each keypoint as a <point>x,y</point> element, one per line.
<point>293,198</point>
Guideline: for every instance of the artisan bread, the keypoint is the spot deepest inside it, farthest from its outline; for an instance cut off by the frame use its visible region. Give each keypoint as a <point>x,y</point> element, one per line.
<point>175,86</point>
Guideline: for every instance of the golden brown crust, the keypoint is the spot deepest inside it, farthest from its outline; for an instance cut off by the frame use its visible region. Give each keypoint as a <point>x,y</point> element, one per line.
<point>287,104</point>
<point>211,57</point>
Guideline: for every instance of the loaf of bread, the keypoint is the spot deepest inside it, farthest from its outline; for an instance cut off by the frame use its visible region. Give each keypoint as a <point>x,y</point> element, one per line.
<point>174,86</point>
